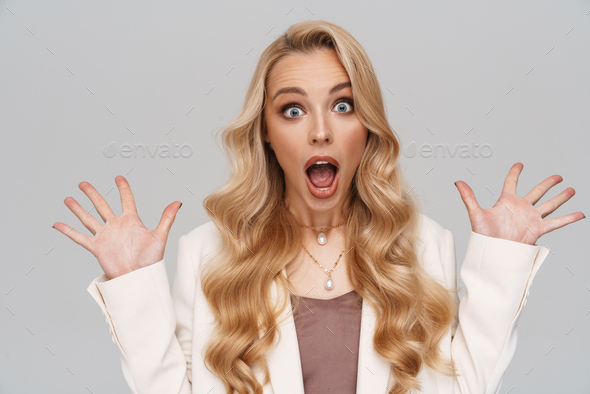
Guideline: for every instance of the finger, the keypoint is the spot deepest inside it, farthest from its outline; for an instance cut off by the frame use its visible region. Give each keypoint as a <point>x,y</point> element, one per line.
<point>81,239</point>
<point>553,224</point>
<point>511,180</point>
<point>85,217</point>
<point>167,219</point>
<point>127,199</point>
<point>468,197</point>
<point>102,207</point>
<point>539,191</point>
<point>551,205</point>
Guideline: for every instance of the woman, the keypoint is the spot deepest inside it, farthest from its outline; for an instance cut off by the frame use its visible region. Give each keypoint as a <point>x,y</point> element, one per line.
<point>317,217</point>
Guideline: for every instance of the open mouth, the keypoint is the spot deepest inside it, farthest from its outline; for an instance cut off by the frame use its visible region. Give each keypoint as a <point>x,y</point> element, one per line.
<point>322,175</point>
<point>322,179</point>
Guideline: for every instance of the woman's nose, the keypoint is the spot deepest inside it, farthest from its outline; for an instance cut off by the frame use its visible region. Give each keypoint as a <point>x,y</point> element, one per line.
<point>321,131</point>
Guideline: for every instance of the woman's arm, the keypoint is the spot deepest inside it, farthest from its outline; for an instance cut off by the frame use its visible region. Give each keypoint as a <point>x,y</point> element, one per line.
<point>497,274</point>
<point>151,325</point>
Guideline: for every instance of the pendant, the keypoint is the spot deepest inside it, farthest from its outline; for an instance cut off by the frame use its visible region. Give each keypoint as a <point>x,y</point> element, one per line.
<point>329,283</point>
<point>322,239</point>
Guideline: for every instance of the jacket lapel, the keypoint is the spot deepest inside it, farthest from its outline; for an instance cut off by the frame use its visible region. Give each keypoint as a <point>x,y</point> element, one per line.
<point>284,360</point>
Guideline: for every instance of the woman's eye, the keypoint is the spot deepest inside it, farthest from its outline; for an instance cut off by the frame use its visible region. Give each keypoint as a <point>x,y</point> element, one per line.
<point>291,110</point>
<point>341,105</point>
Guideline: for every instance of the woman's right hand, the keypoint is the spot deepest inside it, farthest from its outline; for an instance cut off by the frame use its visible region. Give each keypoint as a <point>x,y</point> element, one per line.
<point>122,244</point>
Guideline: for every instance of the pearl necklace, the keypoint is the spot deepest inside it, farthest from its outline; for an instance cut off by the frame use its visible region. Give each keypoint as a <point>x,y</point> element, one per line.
<point>322,239</point>
<point>329,282</point>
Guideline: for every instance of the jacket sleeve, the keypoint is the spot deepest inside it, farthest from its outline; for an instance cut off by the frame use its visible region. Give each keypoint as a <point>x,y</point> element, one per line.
<point>497,274</point>
<point>151,325</point>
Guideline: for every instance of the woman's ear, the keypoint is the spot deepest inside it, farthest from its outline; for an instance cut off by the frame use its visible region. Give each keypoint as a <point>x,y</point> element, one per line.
<point>266,139</point>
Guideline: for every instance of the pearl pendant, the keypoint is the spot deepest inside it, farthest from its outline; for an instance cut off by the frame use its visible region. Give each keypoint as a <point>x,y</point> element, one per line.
<point>322,239</point>
<point>329,283</point>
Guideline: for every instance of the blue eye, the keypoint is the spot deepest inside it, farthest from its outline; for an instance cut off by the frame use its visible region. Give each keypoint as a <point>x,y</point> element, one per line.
<point>341,104</point>
<point>294,109</point>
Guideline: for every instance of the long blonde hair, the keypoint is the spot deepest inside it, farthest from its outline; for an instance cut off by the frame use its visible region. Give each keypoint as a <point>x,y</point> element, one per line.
<point>414,312</point>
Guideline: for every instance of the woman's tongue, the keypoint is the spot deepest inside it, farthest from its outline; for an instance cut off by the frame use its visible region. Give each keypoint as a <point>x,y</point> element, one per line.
<point>321,175</point>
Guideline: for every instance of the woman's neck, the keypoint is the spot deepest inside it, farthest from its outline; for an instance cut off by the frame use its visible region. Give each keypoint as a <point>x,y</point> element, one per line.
<point>318,219</point>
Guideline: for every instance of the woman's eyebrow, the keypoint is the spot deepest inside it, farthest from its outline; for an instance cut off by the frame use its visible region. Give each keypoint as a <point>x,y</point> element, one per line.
<point>298,90</point>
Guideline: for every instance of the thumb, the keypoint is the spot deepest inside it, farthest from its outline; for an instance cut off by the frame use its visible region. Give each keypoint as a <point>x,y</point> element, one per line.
<point>167,219</point>
<point>468,197</point>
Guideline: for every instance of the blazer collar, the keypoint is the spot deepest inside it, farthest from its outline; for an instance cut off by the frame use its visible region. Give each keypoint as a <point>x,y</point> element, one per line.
<point>284,360</point>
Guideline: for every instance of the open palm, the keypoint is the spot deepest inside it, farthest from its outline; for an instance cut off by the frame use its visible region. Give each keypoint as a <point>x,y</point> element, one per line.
<point>122,244</point>
<point>516,218</point>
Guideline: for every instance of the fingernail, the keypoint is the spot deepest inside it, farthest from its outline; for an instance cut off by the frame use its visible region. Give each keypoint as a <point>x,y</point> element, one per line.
<point>584,217</point>
<point>180,206</point>
<point>455,184</point>
<point>53,226</point>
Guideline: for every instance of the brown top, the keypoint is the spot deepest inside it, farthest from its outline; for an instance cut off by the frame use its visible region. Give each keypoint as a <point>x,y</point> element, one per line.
<point>328,332</point>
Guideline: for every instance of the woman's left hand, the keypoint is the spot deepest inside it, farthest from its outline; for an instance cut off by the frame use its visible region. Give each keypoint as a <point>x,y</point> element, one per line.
<point>516,218</point>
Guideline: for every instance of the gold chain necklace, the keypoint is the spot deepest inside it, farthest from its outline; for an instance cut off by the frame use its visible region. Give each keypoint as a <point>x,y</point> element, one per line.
<point>322,239</point>
<point>329,282</point>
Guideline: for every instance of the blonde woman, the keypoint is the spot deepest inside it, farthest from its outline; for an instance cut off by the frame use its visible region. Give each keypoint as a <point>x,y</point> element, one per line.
<point>317,272</point>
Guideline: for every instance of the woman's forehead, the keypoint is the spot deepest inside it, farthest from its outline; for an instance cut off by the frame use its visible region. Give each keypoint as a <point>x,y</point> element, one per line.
<point>307,71</point>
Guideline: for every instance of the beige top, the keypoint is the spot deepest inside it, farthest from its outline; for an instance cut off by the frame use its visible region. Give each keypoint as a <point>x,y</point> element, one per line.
<point>328,332</point>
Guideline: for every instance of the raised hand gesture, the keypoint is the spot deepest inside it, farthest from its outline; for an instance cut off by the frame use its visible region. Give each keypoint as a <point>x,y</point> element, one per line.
<point>122,244</point>
<point>516,218</point>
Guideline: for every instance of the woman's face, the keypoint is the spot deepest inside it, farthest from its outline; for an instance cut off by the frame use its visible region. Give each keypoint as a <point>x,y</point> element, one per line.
<point>310,112</point>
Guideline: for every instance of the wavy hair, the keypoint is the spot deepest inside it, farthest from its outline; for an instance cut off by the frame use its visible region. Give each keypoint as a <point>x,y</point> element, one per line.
<point>414,311</point>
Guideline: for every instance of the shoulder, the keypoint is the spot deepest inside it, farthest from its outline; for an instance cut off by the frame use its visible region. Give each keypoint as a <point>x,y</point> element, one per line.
<point>432,233</point>
<point>202,240</point>
<point>434,240</point>
<point>433,249</point>
<point>205,232</point>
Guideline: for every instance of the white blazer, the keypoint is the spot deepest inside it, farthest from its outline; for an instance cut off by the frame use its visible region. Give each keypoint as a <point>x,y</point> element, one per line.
<point>161,331</point>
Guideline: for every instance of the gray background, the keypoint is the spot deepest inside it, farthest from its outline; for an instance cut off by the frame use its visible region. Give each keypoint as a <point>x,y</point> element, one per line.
<point>76,76</point>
